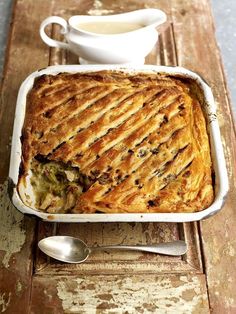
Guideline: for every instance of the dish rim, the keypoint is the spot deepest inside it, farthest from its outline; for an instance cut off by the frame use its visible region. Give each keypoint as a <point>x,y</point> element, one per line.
<point>217,153</point>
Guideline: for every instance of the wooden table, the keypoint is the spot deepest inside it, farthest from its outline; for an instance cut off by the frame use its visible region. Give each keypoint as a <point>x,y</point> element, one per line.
<point>129,282</point>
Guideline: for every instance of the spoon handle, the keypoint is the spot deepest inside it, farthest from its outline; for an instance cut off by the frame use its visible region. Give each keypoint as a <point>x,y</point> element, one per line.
<point>174,248</point>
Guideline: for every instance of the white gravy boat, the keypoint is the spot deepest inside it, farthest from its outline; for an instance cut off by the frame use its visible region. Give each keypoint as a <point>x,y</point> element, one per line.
<point>93,47</point>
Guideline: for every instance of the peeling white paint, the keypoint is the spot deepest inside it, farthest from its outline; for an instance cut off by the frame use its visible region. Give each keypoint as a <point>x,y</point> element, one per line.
<point>228,159</point>
<point>4,301</point>
<point>12,236</point>
<point>99,12</point>
<point>97,9</point>
<point>47,295</point>
<point>220,116</point>
<point>113,294</point>
<point>230,302</point>
<point>18,287</point>
<point>229,250</point>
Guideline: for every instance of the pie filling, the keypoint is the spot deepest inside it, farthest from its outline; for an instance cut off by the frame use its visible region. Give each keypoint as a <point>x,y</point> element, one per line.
<point>57,186</point>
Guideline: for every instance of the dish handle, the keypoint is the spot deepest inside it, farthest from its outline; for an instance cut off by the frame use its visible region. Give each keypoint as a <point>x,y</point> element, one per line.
<point>49,41</point>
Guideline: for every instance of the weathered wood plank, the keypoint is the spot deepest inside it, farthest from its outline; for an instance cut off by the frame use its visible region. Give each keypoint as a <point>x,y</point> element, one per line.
<point>100,285</point>
<point>25,54</point>
<point>120,294</point>
<point>197,50</point>
<point>103,234</point>
<point>118,262</point>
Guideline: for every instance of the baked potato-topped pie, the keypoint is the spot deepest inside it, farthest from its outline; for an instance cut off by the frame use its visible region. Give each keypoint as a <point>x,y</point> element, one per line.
<point>115,142</point>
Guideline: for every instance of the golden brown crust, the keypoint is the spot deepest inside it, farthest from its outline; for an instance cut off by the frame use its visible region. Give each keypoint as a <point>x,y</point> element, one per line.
<point>141,138</point>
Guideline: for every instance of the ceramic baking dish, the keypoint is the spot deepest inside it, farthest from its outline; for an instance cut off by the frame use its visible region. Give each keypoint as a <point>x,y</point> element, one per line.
<point>220,173</point>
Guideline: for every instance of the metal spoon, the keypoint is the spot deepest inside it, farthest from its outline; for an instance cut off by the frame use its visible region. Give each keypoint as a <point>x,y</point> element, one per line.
<point>73,250</point>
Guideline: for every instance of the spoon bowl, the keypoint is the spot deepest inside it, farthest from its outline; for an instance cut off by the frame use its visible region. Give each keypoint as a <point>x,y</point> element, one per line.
<point>64,248</point>
<point>73,250</point>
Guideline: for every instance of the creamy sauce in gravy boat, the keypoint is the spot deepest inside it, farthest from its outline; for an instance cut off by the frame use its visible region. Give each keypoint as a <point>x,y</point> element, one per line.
<point>120,38</point>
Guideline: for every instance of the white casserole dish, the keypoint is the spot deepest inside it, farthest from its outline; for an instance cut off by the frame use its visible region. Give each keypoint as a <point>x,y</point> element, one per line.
<point>221,179</point>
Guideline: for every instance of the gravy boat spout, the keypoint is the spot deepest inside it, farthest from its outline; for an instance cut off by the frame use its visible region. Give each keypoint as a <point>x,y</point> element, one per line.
<point>105,39</point>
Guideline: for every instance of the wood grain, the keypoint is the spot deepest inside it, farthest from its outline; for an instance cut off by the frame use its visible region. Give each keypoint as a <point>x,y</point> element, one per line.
<point>17,232</point>
<point>104,234</point>
<point>201,54</point>
<point>200,282</point>
<point>110,262</point>
<point>120,294</point>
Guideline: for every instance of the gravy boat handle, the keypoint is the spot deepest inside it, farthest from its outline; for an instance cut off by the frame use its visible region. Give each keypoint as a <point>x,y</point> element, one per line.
<point>49,41</point>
